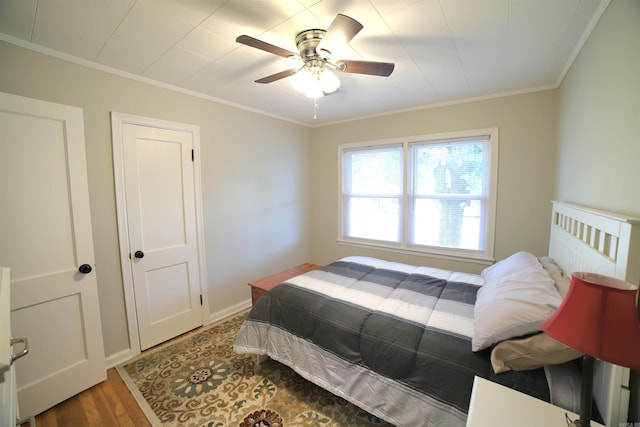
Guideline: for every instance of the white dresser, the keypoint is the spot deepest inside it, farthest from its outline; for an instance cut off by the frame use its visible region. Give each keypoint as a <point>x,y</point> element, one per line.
<point>8,355</point>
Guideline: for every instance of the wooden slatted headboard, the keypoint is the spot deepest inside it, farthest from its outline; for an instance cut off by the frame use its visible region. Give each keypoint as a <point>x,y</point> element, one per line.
<point>584,239</point>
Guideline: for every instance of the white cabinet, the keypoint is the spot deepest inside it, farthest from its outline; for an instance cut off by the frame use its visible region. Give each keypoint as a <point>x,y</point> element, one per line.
<point>8,398</point>
<point>8,390</point>
<point>10,351</point>
<point>494,405</point>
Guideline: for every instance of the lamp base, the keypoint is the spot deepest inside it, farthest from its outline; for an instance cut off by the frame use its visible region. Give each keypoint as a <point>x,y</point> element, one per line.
<point>586,396</point>
<point>572,423</point>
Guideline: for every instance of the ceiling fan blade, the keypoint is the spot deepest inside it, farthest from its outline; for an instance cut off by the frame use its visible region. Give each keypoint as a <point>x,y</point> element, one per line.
<point>267,47</point>
<point>339,33</point>
<point>383,69</point>
<point>277,76</point>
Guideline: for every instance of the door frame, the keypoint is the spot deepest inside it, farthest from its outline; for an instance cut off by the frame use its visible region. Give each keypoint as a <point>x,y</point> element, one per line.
<point>117,122</point>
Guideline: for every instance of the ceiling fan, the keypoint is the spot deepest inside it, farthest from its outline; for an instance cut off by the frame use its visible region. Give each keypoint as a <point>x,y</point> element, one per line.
<point>314,76</point>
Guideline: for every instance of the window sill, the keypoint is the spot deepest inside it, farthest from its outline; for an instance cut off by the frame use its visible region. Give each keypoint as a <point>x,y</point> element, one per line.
<point>473,258</point>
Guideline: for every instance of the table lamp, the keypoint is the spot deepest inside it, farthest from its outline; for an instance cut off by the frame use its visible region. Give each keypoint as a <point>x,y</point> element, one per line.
<point>598,317</point>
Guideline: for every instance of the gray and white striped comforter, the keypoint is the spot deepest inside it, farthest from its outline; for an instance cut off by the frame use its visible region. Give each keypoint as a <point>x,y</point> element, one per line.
<point>393,339</point>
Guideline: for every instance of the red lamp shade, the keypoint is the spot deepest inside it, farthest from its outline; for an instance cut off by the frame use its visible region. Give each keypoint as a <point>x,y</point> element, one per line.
<point>599,317</point>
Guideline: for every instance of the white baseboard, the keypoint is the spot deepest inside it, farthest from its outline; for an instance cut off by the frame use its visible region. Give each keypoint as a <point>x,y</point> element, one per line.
<point>119,358</point>
<point>127,354</point>
<point>229,311</point>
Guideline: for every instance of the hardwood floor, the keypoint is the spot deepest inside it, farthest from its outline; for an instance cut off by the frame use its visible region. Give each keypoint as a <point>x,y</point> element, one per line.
<point>107,404</point>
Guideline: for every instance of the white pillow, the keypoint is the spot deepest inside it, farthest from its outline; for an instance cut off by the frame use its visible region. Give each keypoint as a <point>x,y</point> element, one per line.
<point>562,280</point>
<point>518,295</point>
<point>516,263</point>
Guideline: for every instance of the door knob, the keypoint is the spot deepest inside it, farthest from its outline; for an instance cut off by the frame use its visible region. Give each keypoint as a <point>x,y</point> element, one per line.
<point>85,269</point>
<point>139,254</point>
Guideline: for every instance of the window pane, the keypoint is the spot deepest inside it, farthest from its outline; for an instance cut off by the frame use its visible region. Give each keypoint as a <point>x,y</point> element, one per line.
<point>375,171</point>
<point>447,223</point>
<point>374,218</point>
<point>429,193</point>
<point>453,168</point>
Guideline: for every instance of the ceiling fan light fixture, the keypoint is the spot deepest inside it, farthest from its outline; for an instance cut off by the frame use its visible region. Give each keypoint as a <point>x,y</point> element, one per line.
<point>301,80</point>
<point>329,81</point>
<point>314,89</point>
<point>314,83</point>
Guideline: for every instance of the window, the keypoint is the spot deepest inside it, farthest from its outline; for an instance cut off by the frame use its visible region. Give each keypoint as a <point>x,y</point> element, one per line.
<point>434,193</point>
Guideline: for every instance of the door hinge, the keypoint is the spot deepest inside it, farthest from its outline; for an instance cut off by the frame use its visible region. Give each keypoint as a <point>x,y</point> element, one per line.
<point>193,155</point>
<point>200,299</point>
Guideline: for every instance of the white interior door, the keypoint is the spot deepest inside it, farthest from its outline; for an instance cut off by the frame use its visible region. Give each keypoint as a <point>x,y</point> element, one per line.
<point>163,254</point>
<point>45,236</point>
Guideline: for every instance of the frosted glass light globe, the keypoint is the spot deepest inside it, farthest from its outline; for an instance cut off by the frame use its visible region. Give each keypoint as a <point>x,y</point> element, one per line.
<point>314,89</point>
<point>300,80</point>
<point>329,81</point>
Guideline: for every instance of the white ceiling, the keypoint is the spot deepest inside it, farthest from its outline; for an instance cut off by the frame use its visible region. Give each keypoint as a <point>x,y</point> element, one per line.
<point>444,50</point>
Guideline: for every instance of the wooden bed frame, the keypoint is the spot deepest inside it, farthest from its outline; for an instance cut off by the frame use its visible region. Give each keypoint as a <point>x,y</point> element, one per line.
<point>584,239</point>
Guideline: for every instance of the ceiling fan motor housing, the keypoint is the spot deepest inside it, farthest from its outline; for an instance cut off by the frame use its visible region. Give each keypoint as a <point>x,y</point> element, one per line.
<point>307,41</point>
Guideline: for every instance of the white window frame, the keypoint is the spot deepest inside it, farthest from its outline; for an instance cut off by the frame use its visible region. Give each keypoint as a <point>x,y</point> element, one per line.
<point>485,255</point>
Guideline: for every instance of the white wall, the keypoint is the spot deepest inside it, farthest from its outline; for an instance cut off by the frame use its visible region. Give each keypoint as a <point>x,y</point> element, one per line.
<point>526,170</point>
<point>254,177</point>
<point>599,123</point>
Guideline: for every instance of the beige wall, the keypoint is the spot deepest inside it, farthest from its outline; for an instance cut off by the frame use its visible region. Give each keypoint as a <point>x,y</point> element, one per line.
<point>527,126</point>
<point>599,116</point>
<point>599,124</point>
<point>254,177</point>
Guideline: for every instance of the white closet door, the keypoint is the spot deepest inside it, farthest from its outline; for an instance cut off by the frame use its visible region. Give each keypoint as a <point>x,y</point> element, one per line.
<point>159,182</point>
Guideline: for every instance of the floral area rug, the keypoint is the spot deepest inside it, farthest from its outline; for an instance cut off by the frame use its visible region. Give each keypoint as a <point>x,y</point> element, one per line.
<point>200,381</point>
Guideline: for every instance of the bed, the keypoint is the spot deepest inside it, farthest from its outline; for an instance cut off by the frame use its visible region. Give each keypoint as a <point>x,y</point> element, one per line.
<point>404,342</point>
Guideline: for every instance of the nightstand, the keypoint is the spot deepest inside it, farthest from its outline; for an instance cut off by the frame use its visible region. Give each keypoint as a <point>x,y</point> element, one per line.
<point>494,405</point>
<point>260,286</point>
